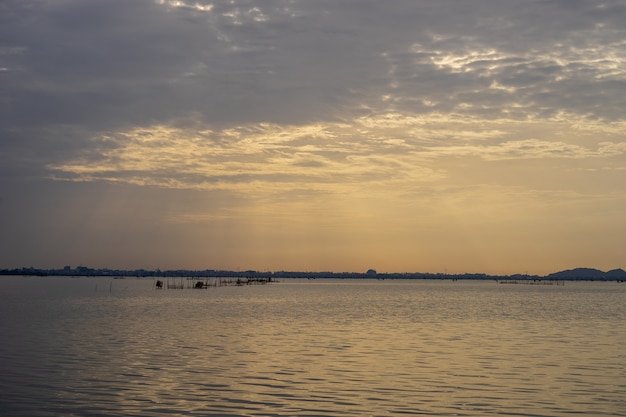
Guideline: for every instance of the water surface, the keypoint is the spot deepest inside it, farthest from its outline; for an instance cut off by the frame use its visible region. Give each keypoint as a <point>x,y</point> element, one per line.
<point>100,346</point>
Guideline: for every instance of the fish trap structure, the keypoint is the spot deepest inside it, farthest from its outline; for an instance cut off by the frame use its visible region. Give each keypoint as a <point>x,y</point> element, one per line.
<point>204,283</point>
<point>532,281</point>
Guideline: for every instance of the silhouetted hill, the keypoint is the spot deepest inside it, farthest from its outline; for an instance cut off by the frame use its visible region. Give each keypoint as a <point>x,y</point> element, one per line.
<point>617,274</point>
<point>588,274</point>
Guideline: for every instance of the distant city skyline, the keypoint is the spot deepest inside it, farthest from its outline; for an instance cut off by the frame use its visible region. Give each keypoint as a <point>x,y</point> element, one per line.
<point>439,136</point>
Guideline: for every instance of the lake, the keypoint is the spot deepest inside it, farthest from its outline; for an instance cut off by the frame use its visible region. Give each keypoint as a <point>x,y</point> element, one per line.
<point>119,347</point>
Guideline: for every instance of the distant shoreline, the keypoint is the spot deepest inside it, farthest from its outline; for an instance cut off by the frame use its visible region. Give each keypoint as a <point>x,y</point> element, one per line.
<point>578,274</point>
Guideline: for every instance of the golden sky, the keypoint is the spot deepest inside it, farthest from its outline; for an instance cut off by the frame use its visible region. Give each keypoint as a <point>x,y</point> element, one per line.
<point>287,135</point>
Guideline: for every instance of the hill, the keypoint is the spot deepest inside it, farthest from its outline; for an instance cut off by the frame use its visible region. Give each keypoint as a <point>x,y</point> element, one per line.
<point>589,274</point>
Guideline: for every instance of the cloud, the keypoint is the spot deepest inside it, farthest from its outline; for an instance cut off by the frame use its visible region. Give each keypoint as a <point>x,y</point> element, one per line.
<point>317,156</point>
<point>391,149</point>
<point>285,111</point>
<point>112,64</point>
<point>531,149</point>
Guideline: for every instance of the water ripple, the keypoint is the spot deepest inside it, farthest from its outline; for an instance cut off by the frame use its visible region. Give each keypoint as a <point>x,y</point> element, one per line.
<point>359,348</point>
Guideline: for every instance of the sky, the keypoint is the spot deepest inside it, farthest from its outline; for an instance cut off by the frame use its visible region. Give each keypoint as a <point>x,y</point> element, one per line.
<point>481,136</point>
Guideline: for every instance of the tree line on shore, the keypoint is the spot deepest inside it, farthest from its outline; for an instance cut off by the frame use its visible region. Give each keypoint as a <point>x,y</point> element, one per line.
<point>571,274</point>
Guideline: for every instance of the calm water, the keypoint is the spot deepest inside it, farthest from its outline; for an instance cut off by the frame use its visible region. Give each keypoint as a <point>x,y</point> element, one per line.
<point>97,346</point>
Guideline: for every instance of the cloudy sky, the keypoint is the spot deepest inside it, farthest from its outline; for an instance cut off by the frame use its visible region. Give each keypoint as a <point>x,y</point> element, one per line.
<point>422,135</point>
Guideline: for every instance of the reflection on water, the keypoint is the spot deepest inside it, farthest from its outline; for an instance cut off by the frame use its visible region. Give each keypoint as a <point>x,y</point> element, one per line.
<point>94,346</point>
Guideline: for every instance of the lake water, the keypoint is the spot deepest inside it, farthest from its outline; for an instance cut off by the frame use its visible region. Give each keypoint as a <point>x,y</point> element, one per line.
<point>118,347</point>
